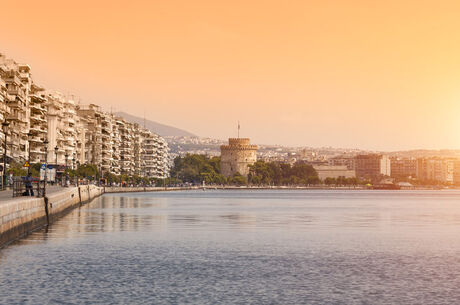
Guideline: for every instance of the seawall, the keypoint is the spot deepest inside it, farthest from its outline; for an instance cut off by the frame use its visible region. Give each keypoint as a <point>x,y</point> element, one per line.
<point>22,215</point>
<point>115,189</point>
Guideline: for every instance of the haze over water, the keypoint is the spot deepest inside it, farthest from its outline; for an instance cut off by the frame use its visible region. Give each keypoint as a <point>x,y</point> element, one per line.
<point>240,247</point>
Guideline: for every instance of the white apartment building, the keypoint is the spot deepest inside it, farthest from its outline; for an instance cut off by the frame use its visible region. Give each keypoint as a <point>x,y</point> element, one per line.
<point>18,81</point>
<point>76,134</point>
<point>38,131</point>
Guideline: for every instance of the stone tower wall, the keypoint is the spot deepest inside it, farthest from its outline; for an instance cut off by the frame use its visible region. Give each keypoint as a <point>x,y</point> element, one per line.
<point>237,156</point>
<point>238,141</point>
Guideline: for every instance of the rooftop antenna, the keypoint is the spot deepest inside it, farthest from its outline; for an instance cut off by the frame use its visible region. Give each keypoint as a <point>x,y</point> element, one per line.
<point>238,129</point>
<point>144,118</point>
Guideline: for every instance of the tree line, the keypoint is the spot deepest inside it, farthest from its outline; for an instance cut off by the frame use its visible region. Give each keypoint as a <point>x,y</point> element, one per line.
<point>194,168</point>
<point>90,172</point>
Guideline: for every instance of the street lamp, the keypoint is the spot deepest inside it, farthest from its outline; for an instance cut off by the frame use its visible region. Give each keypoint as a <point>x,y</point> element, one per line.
<point>5,125</point>
<point>28,153</point>
<point>46,165</point>
<point>55,170</point>
<point>99,174</point>
<point>56,152</point>
<point>66,156</point>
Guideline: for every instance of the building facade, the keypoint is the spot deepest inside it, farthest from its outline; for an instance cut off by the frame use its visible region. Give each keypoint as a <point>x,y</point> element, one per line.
<point>334,171</point>
<point>403,167</point>
<point>237,156</point>
<point>76,134</point>
<point>436,170</point>
<point>372,166</point>
<point>343,160</point>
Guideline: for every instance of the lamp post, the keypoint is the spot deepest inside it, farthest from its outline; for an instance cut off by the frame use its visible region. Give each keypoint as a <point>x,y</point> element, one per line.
<point>66,157</point>
<point>46,165</point>
<point>77,150</point>
<point>99,174</point>
<point>76,168</point>
<point>28,153</point>
<point>5,125</point>
<point>56,153</point>
<point>56,168</point>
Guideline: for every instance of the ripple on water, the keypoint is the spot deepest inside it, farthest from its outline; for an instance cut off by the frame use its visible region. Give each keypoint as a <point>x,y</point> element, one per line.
<point>240,247</point>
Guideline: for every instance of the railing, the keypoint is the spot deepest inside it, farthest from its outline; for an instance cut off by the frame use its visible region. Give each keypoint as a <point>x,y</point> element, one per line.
<point>19,187</point>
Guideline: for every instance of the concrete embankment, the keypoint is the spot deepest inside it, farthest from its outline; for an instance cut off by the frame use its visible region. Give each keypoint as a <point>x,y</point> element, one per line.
<point>114,189</point>
<point>22,215</point>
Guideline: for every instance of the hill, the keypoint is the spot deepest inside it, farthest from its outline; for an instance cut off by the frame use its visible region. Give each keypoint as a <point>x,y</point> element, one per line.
<point>161,129</point>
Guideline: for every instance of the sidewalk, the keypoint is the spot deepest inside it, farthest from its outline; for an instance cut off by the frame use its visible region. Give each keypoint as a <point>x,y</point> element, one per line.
<point>8,195</point>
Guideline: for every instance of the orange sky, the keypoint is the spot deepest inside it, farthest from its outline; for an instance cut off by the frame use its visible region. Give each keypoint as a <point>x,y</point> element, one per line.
<point>359,74</point>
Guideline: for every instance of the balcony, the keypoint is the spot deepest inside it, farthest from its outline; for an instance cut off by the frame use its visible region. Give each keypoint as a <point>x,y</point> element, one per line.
<point>38,118</point>
<point>37,150</point>
<point>21,117</point>
<point>17,92</point>
<point>36,139</point>
<point>37,107</point>
<point>37,129</point>
<point>4,108</point>
<point>12,78</point>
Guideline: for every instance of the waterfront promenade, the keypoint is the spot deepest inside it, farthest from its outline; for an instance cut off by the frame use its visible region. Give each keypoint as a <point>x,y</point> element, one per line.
<point>8,195</point>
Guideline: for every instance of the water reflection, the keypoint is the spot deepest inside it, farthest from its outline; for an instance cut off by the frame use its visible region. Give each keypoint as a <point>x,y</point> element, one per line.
<point>279,247</point>
<point>252,210</point>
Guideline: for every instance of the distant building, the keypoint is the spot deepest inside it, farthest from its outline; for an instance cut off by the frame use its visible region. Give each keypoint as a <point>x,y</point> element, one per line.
<point>457,172</point>
<point>334,171</point>
<point>372,166</point>
<point>403,167</point>
<point>435,169</point>
<point>237,156</point>
<point>346,160</point>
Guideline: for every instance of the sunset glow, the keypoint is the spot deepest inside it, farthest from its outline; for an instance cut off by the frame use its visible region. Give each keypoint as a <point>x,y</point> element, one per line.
<point>367,74</point>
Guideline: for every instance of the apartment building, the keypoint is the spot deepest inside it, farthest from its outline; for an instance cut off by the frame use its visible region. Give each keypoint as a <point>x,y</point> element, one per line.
<point>91,143</point>
<point>76,134</point>
<point>334,171</point>
<point>38,131</point>
<point>343,160</point>
<point>372,166</point>
<point>4,108</point>
<point>106,142</point>
<point>18,81</point>
<point>436,169</point>
<point>456,172</point>
<point>403,167</point>
<point>62,129</point>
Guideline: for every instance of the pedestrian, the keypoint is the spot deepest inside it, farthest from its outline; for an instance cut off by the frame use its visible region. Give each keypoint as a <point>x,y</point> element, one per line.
<point>10,180</point>
<point>29,187</point>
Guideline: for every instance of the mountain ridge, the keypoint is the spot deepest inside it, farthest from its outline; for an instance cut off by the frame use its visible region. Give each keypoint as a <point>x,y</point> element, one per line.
<point>158,128</point>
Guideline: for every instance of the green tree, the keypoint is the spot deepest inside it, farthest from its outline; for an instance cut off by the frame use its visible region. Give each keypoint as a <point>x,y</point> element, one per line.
<point>197,168</point>
<point>329,181</point>
<point>239,179</point>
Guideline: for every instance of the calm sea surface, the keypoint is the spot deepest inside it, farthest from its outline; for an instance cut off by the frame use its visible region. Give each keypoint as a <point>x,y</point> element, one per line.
<point>243,247</point>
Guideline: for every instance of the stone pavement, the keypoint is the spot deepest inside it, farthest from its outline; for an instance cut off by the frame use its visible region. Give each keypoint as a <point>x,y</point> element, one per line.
<point>8,195</point>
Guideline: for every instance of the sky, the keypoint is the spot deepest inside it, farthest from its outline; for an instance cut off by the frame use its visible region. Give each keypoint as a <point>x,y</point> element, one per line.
<point>380,75</point>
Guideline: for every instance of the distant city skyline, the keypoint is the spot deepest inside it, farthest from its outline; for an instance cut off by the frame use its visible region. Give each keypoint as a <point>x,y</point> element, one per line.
<point>378,76</point>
